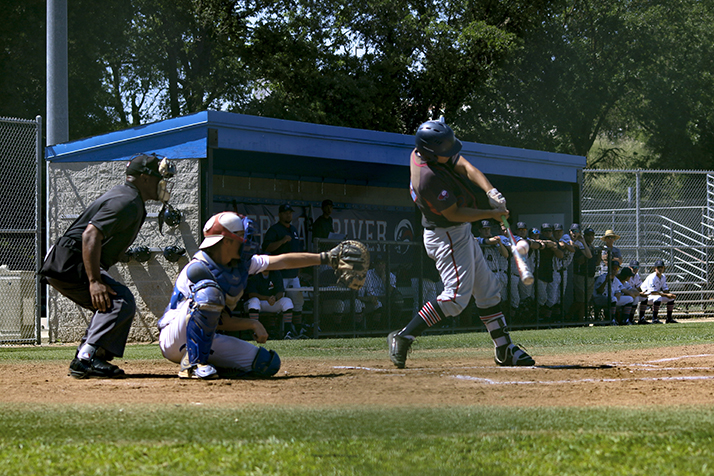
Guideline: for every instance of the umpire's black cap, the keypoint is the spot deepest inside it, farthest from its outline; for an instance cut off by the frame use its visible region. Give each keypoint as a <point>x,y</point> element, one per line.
<point>144,164</point>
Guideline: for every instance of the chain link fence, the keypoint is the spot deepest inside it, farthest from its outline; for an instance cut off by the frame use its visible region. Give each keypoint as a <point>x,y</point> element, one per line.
<point>659,214</point>
<point>20,190</point>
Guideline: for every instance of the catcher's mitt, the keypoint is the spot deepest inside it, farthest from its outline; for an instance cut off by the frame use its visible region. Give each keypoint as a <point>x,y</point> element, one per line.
<point>350,260</point>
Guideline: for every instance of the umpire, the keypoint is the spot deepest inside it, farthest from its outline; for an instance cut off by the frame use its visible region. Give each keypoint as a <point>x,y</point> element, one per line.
<point>76,265</point>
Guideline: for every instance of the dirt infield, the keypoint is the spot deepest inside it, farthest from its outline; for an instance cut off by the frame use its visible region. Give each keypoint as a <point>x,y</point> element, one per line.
<point>663,376</point>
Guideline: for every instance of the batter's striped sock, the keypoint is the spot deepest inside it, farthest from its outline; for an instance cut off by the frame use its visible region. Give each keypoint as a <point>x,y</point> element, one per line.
<point>429,315</point>
<point>496,325</point>
<point>655,309</point>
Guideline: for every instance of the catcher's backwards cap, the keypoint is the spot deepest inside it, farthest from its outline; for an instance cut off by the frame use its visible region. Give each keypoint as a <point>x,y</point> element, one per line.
<point>434,139</point>
<point>223,224</point>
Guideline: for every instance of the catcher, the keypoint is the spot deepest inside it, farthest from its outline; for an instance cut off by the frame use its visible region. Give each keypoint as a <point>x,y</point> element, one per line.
<point>209,287</point>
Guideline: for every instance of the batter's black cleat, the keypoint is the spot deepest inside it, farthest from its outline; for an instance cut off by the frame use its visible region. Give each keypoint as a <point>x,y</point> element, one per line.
<point>96,368</point>
<point>398,348</point>
<point>671,321</point>
<point>513,356</point>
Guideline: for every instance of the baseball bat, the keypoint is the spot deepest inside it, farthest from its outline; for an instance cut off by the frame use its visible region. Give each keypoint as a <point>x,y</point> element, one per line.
<point>523,271</point>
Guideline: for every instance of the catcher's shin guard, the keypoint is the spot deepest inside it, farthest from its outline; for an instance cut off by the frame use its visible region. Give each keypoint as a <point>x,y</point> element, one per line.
<point>207,303</point>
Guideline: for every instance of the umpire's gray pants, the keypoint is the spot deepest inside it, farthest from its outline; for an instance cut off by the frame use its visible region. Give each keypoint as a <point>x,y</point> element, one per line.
<point>108,330</point>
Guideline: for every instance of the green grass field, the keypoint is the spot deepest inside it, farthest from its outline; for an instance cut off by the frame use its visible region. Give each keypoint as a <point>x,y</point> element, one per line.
<point>169,439</point>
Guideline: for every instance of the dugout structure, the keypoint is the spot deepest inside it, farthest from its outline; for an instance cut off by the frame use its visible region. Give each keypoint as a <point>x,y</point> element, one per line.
<point>252,165</point>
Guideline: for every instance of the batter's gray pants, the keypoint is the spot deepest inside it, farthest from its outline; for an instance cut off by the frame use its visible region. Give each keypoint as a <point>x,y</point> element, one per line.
<point>462,268</point>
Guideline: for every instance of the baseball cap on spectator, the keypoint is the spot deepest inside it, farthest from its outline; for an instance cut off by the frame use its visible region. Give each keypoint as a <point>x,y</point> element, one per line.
<point>575,227</point>
<point>614,264</point>
<point>625,273</point>
<point>588,231</point>
<point>659,263</point>
<point>485,224</point>
<point>326,202</point>
<point>285,208</point>
<point>521,225</point>
<point>535,231</point>
<point>546,227</point>
<point>557,227</point>
<point>223,224</point>
<point>635,264</point>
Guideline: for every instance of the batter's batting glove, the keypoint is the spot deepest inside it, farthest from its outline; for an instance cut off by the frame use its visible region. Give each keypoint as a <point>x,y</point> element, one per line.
<point>496,200</point>
<point>350,260</point>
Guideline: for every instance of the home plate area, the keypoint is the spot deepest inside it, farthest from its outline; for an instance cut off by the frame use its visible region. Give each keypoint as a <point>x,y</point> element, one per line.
<point>625,378</point>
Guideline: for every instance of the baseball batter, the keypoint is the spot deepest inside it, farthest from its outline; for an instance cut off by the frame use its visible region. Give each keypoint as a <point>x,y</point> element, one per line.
<point>441,186</point>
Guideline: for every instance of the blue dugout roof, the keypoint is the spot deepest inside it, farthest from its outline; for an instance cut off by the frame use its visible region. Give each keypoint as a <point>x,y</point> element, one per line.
<point>265,147</point>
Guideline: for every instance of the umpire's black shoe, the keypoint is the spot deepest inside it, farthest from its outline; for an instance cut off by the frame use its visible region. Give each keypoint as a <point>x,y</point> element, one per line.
<point>97,368</point>
<point>398,348</point>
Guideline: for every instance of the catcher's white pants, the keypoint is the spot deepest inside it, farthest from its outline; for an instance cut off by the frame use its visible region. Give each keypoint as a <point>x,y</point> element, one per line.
<point>281,305</point>
<point>226,351</point>
<point>462,268</point>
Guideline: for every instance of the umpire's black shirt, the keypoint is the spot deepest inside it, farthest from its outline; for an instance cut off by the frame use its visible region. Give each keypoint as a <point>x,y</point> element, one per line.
<point>118,214</point>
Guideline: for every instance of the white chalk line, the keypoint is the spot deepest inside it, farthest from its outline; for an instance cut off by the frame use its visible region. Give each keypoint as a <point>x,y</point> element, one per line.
<point>646,366</point>
<point>585,380</point>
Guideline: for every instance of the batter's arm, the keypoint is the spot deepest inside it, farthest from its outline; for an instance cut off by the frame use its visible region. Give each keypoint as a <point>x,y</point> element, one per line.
<point>468,215</point>
<point>464,167</point>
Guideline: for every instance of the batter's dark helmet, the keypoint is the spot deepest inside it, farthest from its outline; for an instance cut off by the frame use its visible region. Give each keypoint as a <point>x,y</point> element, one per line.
<point>434,139</point>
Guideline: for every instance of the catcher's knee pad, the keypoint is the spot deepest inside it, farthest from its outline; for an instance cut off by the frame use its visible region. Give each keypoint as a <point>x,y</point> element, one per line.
<point>207,303</point>
<point>266,363</point>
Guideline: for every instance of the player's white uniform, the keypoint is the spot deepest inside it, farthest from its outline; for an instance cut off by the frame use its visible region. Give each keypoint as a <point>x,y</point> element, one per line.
<point>226,351</point>
<point>497,264</point>
<point>652,283</point>
<point>600,299</point>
